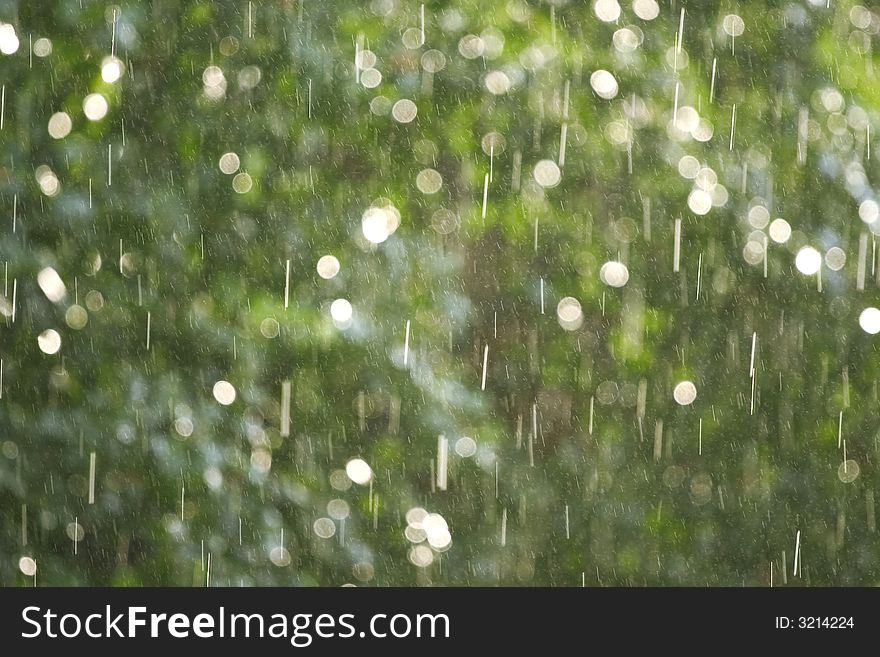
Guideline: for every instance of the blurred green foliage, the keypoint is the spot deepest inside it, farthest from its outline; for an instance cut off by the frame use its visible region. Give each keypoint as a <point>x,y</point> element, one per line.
<point>578,476</point>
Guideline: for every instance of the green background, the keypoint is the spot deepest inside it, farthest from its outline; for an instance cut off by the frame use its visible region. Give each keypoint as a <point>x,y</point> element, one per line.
<point>208,266</point>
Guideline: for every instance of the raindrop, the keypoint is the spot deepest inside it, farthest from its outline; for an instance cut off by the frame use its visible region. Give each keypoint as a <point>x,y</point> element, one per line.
<point>808,261</point>
<point>358,471</point>
<point>224,393</point>
<point>338,509</point>
<point>341,311</point>
<point>848,471</point>
<point>95,107</point>
<point>614,274</point>
<point>421,556</point>
<point>733,25</point>
<point>280,556</point>
<point>869,210</point>
<point>8,39</point>
<point>229,46</point>
<point>497,83</point>
<point>759,216</point>
<point>324,528</point>
<point>604,84</point>
<point>493,143</point>
<point>75,531</point>
<point>339,480</point>
<point>76,317</point>
<point>242,183</point>
<point>412,38</point>
<point>414,534</point>
<point>377,224</point>
<point>229,163</point>
<point>685,393</point>
<point>42,47</point>
<point>465,447</point>
<point>547,173</point>
<point>569,313</point>
<point>700,201</point>
<point>429,181</point>
<point>269,328</point>
<point>60,125</point>
<point>213,76</point>
<point>51,284</point>
<point>440,540</point>
<point>404,111</point>
<point>688,166</point>
<point>835,258</point>
<point>779,230</point>
<point>647,10</point>
<point>433,61</point>
<point>328,266</point>
<point>49,341</point>
<point>415,516</point>
<point>27,566</point>
<point>687,119</point>
<point>380,106</point>
<point>869,320</point>
<point>607,11</point>
<point>371,78</point>
<point>249,77</point>
<point>471,46</point>
<point>444,221</point>
<point>112,69</point>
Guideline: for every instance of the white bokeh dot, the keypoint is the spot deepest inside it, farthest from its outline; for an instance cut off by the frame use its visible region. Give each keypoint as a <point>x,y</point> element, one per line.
<point>224,392</point>
<point>779,230</point>
<point>358,471</point>
<point>685,393</point>
<point>808,261</point>
<point>341,311</point>
<point>869,320</point>
<point>328,266</point>
<point>95,107</point>
<point>49,341</point>
<point>614,274</point>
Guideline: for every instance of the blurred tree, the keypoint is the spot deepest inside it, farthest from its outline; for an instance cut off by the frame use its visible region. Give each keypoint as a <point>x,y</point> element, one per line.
<point>483,247</point>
